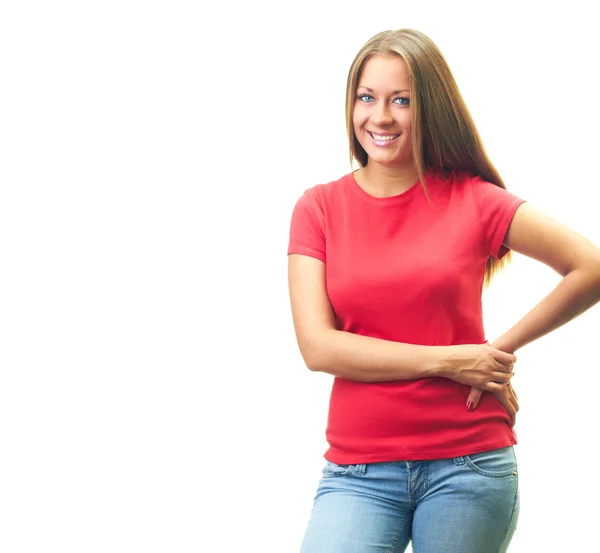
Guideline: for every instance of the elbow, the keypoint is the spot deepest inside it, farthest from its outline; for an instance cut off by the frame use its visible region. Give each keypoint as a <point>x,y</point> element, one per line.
<point>315,355</point>
<point>318,345</point>
<point>597,271</point>
<point>589,279</point>
<point>589,269</point>
<point>594,264</point>
<point>312,360</point>
<point>597,275</point>
<point>593,271</point>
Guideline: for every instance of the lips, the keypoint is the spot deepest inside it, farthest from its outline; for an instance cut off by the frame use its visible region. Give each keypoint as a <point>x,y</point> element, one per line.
<point>383,140</point>
<point>383,137</point>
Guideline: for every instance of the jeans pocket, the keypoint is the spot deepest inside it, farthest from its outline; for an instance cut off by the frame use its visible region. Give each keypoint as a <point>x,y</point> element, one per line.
<point>496,463</point>
<point>333,469</point>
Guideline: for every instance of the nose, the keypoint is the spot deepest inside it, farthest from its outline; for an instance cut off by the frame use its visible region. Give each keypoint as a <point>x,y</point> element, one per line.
<point>382,114</point>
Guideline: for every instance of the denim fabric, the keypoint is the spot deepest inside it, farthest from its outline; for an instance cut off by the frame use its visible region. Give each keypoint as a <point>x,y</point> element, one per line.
<point>466,504</point>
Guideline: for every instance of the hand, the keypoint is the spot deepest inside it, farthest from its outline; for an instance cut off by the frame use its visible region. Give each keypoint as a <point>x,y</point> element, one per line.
<point>480,366</point>
<point>506,396</point>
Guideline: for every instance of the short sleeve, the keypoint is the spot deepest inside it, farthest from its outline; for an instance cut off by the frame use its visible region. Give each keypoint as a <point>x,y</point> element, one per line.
<point>496,208</point>
<point>307,235</point>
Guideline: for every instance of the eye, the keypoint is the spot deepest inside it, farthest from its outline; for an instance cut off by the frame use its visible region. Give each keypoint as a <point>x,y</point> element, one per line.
<point>365,97</point>
<point>402,100</point>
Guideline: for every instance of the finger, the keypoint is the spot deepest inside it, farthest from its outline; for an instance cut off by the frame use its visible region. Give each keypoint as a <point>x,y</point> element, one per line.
<point>504,357</point>
<point>514,401</point>
<point>503,368</point>
<point>494,386</point>
<point>501,377</point>
<point>512,396</point>
<point>512,412</point>
<point>473,399</point>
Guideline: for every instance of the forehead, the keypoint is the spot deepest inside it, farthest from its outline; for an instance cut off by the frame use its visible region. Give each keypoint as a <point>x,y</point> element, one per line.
<point>383,72</point>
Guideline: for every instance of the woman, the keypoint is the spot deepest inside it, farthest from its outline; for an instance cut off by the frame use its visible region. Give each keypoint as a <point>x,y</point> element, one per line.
<point>386,271</point>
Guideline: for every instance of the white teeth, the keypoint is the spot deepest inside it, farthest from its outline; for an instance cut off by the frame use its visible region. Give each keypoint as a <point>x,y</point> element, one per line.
<point>384,136</point>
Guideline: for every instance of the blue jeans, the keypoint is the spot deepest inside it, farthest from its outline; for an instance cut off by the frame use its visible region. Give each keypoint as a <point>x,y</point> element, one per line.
<point>466,504</point>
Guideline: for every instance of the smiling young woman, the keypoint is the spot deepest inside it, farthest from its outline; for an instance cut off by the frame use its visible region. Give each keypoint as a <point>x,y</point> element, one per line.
<point>382,124</point>
<point>386,269</point>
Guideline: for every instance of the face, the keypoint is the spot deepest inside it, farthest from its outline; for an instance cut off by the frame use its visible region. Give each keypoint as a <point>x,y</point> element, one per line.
<point>381,115</point>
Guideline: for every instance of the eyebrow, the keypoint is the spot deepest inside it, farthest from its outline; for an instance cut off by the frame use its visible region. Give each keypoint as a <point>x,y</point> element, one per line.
<point>371,90</point>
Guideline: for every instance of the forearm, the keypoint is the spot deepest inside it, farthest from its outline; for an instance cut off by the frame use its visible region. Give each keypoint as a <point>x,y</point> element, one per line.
<point>576,293</point>
<point>365,359</point>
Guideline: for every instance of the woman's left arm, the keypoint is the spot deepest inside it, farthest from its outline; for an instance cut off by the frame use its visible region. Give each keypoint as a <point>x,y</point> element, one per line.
<point>540,237</point>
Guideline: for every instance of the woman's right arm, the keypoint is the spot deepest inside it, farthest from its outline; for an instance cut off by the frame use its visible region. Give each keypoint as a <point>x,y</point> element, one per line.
<point>365,359</point>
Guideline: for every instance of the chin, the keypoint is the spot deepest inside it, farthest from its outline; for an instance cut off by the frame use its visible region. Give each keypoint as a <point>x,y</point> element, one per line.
<point>396,160</point>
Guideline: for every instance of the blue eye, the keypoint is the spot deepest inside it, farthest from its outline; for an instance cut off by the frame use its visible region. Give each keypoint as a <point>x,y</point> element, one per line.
<point>365,97</point>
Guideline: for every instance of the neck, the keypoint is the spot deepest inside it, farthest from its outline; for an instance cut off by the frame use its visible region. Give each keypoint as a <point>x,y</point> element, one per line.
<point>386,181</point>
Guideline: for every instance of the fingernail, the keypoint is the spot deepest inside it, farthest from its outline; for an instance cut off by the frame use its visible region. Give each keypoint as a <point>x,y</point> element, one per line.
<point>470,405</point>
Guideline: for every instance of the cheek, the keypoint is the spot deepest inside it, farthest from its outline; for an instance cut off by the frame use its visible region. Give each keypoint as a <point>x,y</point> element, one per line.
<point>404,119</point>
<point>356,120</point>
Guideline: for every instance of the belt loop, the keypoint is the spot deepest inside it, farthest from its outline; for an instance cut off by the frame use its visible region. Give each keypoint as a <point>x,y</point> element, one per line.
<point>360,470</point>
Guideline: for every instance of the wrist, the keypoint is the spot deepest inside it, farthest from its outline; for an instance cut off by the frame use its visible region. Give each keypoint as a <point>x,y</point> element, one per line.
<point>503,345</point>
<point>440,365</point>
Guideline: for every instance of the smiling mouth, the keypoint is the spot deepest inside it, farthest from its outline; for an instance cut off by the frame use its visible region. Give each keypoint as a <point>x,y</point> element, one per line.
<point>383,137</point>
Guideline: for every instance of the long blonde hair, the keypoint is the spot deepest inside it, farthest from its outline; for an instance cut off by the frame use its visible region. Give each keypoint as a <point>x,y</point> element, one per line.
<point>444,136</point>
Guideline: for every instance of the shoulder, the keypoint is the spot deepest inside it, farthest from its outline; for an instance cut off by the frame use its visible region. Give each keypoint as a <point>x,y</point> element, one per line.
<point>329,188</point>
<point>320,195</point>
<point>477,187</point>
<point>462,179</point>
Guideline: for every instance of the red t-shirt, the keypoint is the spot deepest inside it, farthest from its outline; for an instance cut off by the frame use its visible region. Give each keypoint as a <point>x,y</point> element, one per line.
<point>400,269</point>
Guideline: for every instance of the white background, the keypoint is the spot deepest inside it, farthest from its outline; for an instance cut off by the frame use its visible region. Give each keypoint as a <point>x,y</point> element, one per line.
<point>152,396</point>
